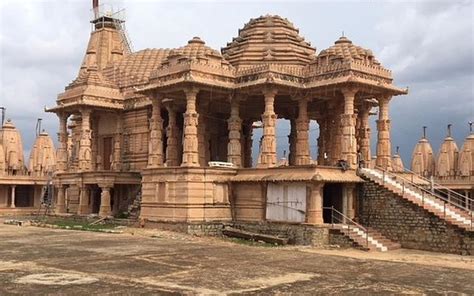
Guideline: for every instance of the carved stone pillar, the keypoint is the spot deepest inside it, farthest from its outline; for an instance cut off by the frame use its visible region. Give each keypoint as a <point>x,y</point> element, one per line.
<point>203,135</point>
<point>234,124</point>
<point>61,201</point>
<point>97,161</point>
<point>172,133</point>
<point>364,135</point>
<point>117,161</point>
<point>190,144</point>
<point>155,147</point>
<point>268,157</point>
<point>292,142</point>
<point>384,151</point>
<point>248,161</point>
<point>85,152</point>
<point>315,205</point>
<point>348,122</point>
<point>13,192</point>
<point>62,139</point>
<point>83,208</point>
<point>105,209</point>
<point>335,134</point>
<point>302,134</point>
<point>348,199</point>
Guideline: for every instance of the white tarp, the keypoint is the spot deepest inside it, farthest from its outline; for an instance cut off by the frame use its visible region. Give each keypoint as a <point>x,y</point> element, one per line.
<point>286,202</point>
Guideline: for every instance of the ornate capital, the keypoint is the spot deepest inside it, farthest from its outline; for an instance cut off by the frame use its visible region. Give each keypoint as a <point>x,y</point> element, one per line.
<point>349,92</point>
<point>384,99</point>
<point>191,92</point>
<point>269,92</point>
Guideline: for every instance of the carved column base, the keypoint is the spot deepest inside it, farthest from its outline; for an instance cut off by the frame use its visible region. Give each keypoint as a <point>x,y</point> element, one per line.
<point>314,213</point>
<point>61,202</point>
<point>105,209</point>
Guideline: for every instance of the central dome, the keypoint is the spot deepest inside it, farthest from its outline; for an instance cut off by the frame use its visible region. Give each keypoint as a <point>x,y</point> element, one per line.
<point>268,39</point>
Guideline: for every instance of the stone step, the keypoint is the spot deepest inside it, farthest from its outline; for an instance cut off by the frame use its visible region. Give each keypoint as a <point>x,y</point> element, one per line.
<point>448,217</point>
<point>376,242</point>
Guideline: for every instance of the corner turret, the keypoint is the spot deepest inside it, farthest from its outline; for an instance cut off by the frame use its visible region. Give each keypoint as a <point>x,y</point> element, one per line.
<point>422,162</point>
<point>447,162</point>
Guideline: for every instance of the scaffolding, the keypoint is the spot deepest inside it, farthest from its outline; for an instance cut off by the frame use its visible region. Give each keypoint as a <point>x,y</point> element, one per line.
<point>107,12</point>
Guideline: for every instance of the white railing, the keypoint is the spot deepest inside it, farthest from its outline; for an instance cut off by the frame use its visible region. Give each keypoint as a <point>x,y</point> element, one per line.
<point>454,198</point>
<point>339,218</point>
<point>428,196</point>
<point>458,200</point>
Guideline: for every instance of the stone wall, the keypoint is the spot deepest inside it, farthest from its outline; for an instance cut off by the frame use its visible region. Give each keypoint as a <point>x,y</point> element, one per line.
<point>410,225</point>
<point>186,194</point>
<point>297,234</point>
<point>336,238</point>
<point>197,228</point>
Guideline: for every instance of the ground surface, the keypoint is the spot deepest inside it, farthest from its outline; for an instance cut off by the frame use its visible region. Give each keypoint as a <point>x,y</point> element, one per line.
<point>67,262</point>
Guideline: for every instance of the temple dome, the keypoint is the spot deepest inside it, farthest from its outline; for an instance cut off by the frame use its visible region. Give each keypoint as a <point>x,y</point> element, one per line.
<point>195,49</point>
<point>344,50</point>
<point>422,162</point>
<point>42,156</point>
<point>12,148</point>
<point>466,157</point>
<point>268,39</point>
<point>447,162</point>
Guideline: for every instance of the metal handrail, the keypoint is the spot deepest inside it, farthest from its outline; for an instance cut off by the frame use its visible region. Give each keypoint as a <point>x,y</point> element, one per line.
<point>436,185</point>
<point>346,219</point>
<point>434,194</point>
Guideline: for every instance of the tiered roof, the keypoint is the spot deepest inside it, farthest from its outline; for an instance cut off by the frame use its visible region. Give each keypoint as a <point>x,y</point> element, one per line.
<point>268,49</point>
<point>268,39</point>
<point>135,68</point>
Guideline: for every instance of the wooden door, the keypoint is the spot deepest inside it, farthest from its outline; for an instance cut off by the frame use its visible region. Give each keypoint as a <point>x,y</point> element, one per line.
<point>286,202</point>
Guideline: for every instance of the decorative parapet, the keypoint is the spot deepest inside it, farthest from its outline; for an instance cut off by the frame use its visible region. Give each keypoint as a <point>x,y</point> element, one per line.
<point>357,66</point>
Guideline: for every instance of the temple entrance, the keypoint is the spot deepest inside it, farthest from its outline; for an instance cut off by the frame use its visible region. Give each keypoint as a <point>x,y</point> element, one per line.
<point>24,196</point>
<point>332,197</point>
<point>107,153</point>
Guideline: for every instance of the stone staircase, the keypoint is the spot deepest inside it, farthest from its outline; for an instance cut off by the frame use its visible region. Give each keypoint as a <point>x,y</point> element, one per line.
<point>367,239</point>
<point>421,197</point>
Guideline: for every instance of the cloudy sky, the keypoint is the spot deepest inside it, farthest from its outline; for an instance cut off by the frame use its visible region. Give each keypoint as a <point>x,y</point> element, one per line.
<point>428,45</point>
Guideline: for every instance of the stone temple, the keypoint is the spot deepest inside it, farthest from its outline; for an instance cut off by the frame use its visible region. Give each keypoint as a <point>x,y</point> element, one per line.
<point>171,131</point>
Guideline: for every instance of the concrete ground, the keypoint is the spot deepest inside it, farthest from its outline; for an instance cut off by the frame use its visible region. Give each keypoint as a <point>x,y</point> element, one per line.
<point>67,262</point>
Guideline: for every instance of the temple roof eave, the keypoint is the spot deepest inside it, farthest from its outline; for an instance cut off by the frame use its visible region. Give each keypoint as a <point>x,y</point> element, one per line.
<point>71,107</point>
<point>275,80</point>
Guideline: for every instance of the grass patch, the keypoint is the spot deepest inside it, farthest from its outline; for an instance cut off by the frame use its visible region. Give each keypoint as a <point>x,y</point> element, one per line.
<point>80,225</point>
